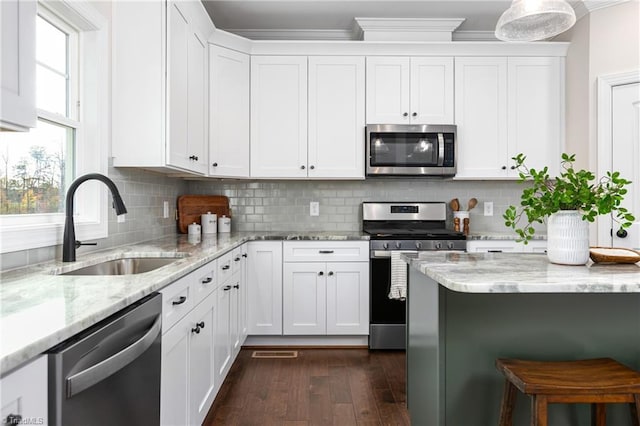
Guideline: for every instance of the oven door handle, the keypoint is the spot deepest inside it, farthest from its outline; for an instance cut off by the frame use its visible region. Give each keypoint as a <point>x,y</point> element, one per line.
<point>386,254</point>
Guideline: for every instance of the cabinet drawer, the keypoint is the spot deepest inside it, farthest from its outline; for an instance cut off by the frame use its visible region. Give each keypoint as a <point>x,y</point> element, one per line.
<point>176,301</point>
<point>225,267</point>
<point>204,281</point>
<point>326,251</point>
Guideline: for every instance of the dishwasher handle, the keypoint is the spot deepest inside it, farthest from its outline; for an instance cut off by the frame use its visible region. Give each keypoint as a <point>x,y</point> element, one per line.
<point>97,373</point>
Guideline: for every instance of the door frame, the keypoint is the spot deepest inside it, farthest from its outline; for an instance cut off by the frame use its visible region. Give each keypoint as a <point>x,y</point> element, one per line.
<point>604,123</point>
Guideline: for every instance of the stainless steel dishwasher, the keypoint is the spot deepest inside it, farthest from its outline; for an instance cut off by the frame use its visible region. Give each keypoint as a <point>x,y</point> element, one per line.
<point>110,373</point>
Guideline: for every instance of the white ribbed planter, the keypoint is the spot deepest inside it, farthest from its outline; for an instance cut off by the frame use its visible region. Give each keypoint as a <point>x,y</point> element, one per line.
<point>567,238</point>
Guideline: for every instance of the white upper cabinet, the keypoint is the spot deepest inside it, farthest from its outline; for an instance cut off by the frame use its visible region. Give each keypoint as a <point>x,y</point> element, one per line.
<point>279,116</point>
<point>164,53</point>
<point>336,117</point>
<point>229,113</point>
<point>307,124</point>
<point>505,106</point>
<point>18,65</point>
<point>416,90</point>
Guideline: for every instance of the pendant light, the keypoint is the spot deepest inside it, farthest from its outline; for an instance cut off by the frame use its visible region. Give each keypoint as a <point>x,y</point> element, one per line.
<point>531,20</point>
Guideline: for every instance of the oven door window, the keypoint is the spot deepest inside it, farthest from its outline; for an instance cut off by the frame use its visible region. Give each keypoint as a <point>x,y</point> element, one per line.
<point>404,149</point>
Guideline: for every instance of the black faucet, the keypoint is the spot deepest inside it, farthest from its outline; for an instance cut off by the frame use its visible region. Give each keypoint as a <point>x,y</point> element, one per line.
<point>69,244</point>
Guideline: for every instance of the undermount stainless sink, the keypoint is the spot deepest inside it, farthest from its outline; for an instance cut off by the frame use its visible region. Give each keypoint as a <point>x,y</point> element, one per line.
<point>124,266</point>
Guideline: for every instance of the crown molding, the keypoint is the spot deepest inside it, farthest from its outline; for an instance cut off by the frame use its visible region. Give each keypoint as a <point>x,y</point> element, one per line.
<point>592,5</point>
<point>474,36</point>
<point>292,34</point>
<point>408,29</point>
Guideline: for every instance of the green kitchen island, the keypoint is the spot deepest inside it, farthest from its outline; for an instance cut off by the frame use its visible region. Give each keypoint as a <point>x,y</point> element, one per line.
<point>465,310</point>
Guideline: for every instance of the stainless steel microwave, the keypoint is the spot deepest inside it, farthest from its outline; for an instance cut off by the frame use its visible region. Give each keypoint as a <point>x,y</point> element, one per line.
<point>411,150</point>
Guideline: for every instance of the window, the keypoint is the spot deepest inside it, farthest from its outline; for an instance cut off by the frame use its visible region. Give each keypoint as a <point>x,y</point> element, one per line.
<point>36,167</point>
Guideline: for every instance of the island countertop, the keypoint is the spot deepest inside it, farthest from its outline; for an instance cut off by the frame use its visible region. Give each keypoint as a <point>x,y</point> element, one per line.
<point>522,273</point>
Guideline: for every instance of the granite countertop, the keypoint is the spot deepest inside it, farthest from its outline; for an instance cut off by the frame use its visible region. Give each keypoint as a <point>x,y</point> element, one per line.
<point>522,273</point>
<point>501,236</point>
<point>39,309</point>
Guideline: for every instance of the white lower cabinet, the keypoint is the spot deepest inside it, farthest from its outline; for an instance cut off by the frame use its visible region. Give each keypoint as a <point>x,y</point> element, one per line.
<point>199,341</point>
<point>23,394</point>
<point>506,246</point>
<point>264,287</point>
<point>326,298</point>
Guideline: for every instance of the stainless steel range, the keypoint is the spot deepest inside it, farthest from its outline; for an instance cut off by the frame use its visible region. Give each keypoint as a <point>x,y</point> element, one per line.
<point>406,227</point>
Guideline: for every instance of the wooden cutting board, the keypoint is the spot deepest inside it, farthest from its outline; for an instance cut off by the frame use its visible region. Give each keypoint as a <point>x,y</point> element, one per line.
<point>190,207</point>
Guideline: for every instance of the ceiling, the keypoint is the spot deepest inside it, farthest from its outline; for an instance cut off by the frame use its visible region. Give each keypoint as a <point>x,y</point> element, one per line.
<point>331,19</point>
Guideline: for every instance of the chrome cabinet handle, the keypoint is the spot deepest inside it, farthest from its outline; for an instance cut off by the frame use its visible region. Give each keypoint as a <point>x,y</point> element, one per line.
<point>180,301</point>
<point>207,280</point>
<point>100,371</point>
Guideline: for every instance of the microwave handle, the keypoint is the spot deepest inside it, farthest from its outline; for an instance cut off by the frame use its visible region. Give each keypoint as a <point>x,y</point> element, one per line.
<point>440,149</point>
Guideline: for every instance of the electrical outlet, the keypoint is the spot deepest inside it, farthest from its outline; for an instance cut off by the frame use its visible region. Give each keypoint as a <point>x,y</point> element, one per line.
<point>314,208</point>
<point>165,209</point>
<point>488,208</point>
<point>120,218</point>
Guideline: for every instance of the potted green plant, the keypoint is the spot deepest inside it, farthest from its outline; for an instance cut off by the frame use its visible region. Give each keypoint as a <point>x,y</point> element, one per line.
<point>567,203</point>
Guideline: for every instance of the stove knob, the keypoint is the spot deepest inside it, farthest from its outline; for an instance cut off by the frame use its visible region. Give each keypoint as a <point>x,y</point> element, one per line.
<point>450,245</point>
<point>418,245</point>
<point>437,245</point>
<point>385,246</point>
<point>398,244</point>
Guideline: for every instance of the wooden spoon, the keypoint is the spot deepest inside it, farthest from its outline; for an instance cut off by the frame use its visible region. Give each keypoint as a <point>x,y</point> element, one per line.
<point>472,203</point>
<point>455,205</point>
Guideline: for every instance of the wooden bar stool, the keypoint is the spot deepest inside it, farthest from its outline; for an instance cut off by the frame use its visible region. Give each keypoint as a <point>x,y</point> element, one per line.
<point>593,381</point>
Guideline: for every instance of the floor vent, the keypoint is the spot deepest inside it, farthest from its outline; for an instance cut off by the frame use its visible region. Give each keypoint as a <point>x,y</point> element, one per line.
<point>275,354</point>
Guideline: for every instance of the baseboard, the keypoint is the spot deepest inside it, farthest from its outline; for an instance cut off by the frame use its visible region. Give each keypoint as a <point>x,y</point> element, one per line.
<point>307,342</point>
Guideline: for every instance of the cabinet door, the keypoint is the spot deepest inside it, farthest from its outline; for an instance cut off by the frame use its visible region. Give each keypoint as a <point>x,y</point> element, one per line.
<point>229,113</point>
<point>234,315</point>
<point>24,393</point>
<point>186,87</point>
<point>304,298</point>
<point>481,116</point>
<point>222,355</point>
<point>18,72</point>
<point>348,298</point>
<point>431,90</point>
<point>535,111</point>
<point>202,374</point>
<point>387,90</point>
<point>242,301</point>
<point>174,389</point>
<point>336,117</point>
<point>264,307</point>
<point>279,116</point>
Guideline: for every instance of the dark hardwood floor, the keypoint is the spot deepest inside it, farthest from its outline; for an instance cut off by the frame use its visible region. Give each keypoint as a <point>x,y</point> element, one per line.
<point>319,387</point>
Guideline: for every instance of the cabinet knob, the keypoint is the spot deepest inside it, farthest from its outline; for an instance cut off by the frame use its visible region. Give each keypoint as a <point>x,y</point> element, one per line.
<point>415,114</point>
<point>244,254</point>
<point>320,273</point>
<point>504,167</point>
<point>513,167</point>
<point>237,259</point>
<point>193,157</point>
<point>302,167</point>
<point>200,324</point>
<point>312,167</point>
<point>237,286</point>
<point>622,233</point>
<point>196,330</point>
<point>330,273</point>
<point>215,164</point>
<point>227,288</point>
<point>225,267</point>
<point>406,114</point>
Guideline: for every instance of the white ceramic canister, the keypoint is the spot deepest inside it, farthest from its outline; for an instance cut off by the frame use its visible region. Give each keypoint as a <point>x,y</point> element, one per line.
<point>224,224</point>
<point>209,223</point>
<point>194,229</point>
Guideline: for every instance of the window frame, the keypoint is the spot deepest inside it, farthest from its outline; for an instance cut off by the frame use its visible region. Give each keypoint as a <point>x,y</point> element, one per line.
<point>29,231</point>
